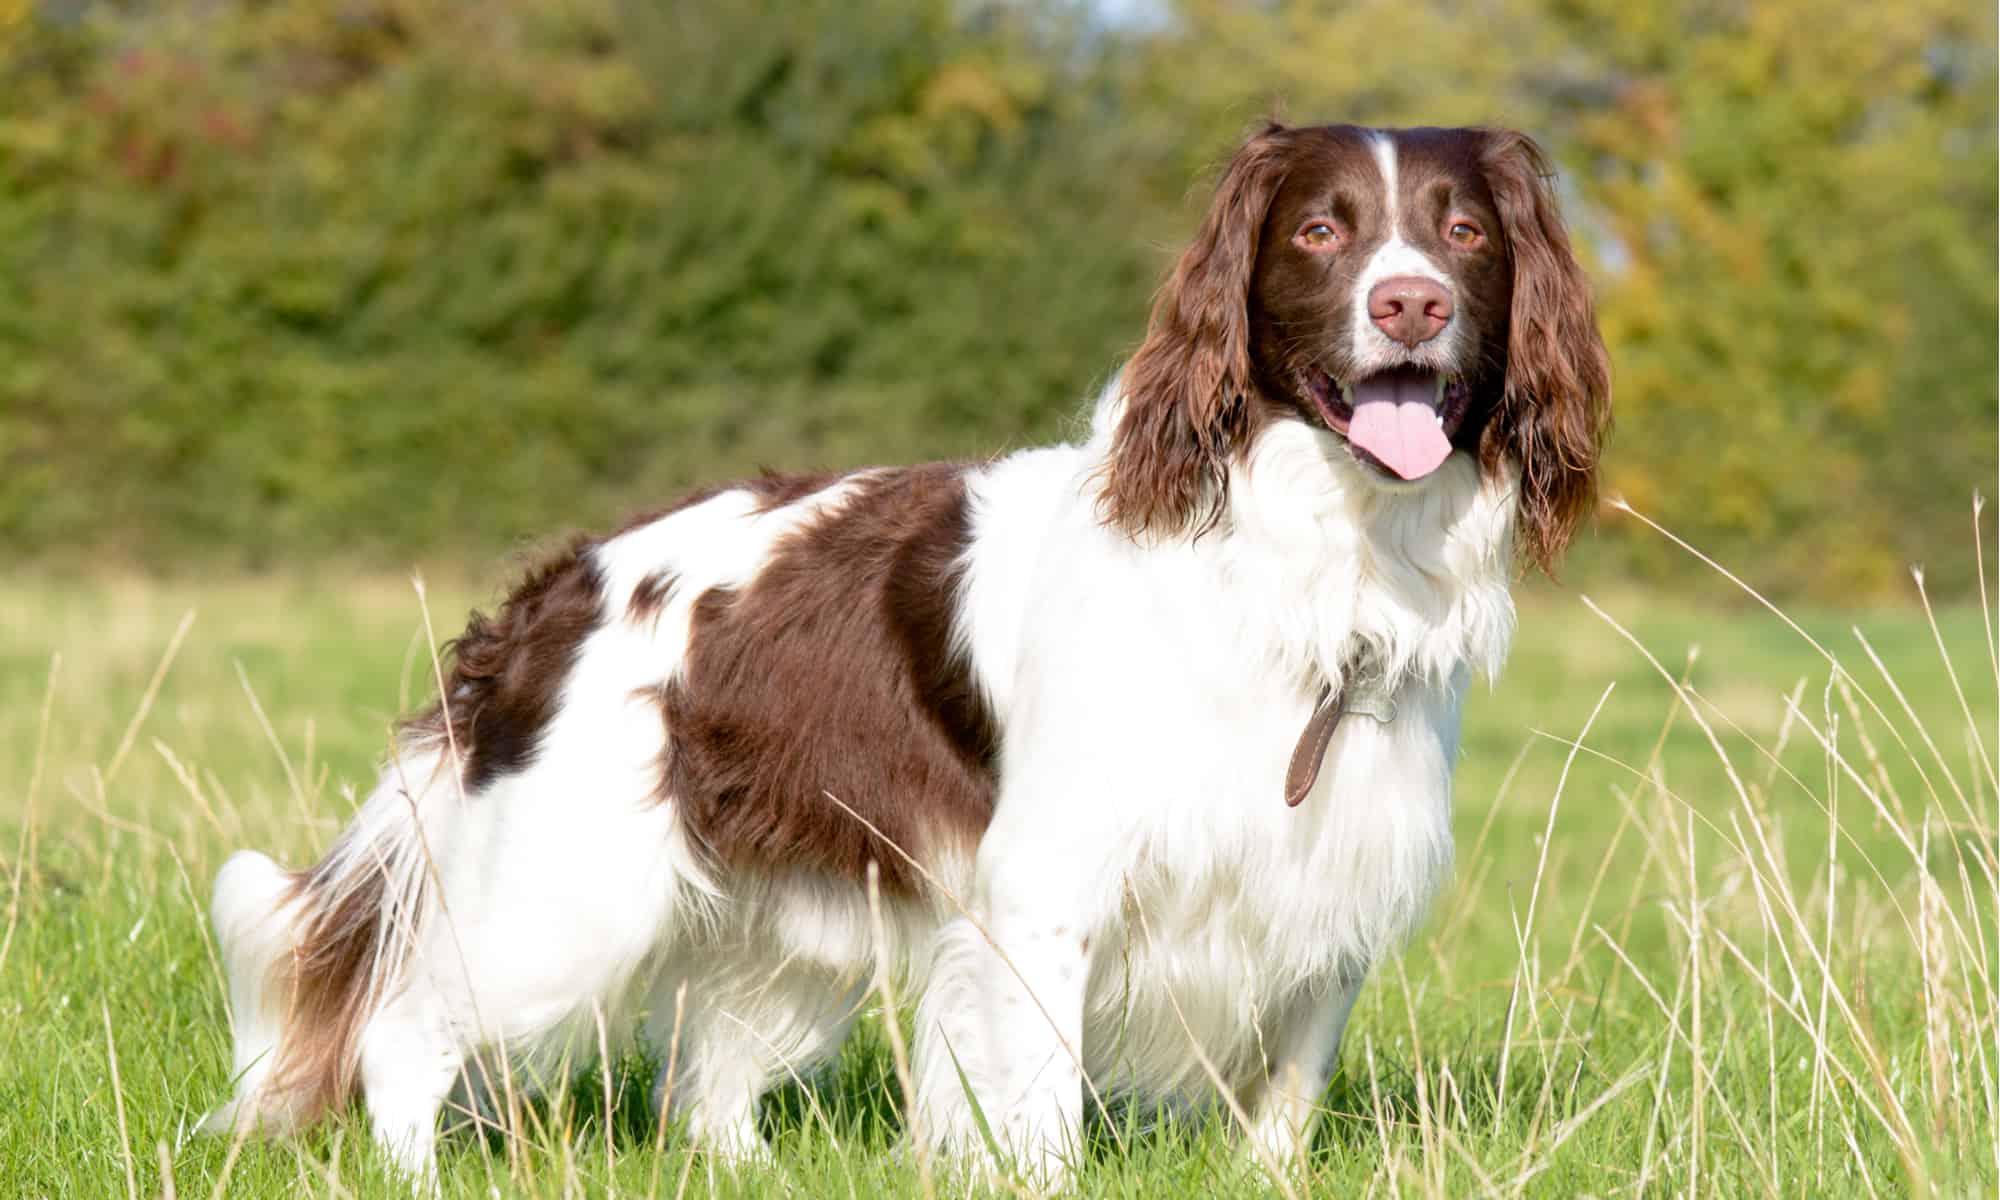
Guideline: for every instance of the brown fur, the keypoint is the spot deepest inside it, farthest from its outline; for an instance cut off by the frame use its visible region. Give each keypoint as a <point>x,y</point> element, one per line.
<point>500,691</point>
<point>1557,409</point>
<point>650,596</point>
<point>501,682</point>
<point>1245,315</point>
<point>1189,386</point>
<point>833,673</point>
<point>324,985</point>
<point>506,669</point>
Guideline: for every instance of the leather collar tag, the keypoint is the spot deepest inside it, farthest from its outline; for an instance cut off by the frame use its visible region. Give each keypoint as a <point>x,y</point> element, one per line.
<point>1311,750</point>
<point>1357,695</point>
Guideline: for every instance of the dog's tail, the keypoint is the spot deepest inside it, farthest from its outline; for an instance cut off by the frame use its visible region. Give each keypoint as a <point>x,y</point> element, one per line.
<point>311,954</point>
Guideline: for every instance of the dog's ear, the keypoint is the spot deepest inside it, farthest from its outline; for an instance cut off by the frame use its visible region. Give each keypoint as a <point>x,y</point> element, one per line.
<point>1556,411</point>
<point>1186,388</point>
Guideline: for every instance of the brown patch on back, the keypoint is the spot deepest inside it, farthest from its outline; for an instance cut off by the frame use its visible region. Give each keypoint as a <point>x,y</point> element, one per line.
<point>500,690</point>
<point>832,672</point>
<point>502,680</point>
<point>506,669</point>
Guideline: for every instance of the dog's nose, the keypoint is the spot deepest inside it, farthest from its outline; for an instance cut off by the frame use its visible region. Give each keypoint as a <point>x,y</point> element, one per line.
<point>1410,308</point>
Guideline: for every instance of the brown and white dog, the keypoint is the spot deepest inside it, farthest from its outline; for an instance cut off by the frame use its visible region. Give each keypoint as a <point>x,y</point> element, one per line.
<point>1059,700</point>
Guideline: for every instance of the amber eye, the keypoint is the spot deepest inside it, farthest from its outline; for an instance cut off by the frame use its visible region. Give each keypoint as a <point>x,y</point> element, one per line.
<point>1464,233</point>
<point>1318,235</point>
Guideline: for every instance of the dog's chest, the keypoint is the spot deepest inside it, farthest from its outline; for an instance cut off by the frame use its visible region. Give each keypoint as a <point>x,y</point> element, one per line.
<point>1233,914</point>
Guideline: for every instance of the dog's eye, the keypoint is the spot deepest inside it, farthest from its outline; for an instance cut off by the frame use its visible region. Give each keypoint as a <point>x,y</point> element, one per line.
<point>1464,233</point>
<point>1318,235</point>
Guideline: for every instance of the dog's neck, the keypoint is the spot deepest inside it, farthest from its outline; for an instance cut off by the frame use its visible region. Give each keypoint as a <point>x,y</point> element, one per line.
<point>1328,565</point>
<point>1413,580</point>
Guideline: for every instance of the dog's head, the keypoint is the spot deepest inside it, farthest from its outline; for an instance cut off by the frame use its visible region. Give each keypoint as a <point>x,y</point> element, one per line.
<point>1411,291</point>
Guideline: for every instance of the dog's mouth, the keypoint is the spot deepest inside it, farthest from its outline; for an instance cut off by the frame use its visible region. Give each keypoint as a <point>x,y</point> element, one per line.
<point>1400,421</point>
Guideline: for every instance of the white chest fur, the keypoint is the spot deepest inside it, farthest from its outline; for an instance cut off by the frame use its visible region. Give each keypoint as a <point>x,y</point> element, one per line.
<point>1151,697</point>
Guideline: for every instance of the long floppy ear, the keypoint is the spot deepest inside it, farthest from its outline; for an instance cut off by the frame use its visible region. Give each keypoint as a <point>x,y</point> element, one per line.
<point>1186,407</point>
<point>1556,411</point>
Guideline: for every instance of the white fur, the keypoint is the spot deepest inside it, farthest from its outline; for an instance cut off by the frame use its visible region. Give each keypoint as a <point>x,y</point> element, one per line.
<point>1142,883</point>
<point>1141,846</point>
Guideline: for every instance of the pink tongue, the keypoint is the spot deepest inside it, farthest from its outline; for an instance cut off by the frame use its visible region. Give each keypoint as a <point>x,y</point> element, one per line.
<point>1399,429</point>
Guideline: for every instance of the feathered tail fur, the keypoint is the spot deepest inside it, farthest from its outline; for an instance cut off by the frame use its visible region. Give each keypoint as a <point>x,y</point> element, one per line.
<point>312,954</point>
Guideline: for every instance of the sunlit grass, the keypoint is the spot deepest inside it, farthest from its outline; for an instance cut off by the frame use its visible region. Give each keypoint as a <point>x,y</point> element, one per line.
<point>1723,922</point>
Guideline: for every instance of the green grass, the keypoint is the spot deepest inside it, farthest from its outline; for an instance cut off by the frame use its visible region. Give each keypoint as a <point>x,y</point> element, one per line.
<point>1779,984</point>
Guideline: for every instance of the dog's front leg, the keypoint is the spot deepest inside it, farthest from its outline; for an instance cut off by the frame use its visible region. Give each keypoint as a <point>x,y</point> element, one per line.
<point>1002,1023</point>
<point>1036,1017</point>
<point>1303,1051</point>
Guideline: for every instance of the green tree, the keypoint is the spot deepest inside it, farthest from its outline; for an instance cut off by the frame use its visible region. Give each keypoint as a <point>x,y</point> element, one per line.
<point>368,278</point>
<point>1789,210</point>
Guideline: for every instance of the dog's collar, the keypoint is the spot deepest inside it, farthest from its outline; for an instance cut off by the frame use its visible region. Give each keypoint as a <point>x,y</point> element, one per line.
<point>1363,692</point>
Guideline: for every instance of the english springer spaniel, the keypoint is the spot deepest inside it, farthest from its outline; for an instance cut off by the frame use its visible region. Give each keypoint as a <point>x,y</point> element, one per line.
<point>1058,738</point>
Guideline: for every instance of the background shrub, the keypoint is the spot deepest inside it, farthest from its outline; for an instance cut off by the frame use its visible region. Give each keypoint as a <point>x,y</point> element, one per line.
<point>374,279</point>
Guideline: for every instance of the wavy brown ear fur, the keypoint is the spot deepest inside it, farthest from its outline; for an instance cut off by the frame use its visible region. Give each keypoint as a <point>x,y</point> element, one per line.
<point>1557,408</point>
<point>1187,386</point>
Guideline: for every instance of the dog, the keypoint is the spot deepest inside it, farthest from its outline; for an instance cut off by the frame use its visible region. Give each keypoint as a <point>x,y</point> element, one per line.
<point>1130,755</point>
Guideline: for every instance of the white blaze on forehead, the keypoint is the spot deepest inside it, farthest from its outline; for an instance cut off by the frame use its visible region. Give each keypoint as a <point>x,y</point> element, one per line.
<point>1384,146</point>
<point>1394,257</point>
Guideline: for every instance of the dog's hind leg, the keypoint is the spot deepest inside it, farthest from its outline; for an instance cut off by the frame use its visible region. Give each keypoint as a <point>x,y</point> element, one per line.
<point>410,1059</point>
<point>559,886</point>
<point>741,1028</point>
<point>312,956</point>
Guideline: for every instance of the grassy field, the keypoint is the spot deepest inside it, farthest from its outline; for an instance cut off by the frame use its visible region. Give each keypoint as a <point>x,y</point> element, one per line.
<point>1735,936</point>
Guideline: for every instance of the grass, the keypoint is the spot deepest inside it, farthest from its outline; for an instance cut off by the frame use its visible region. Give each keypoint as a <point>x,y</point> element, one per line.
<point>1721,925</point>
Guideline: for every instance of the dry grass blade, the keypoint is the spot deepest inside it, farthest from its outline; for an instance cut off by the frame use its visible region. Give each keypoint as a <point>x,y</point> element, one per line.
<point>1697,1061</point>
<point>892,1023</point>
<point>160,1151</point>
<point>1979,564</point>
<point>1280,1177</point>
<point>24,852</point>
<point>436,889</point>
<point>1796,1029</point>
<point>665,1100</point>
<point>444,693</point>
<point>1568,1128</point>
<point>791,1072</point>
<point>1524,930</point>
<point>152,692</point>
<point>604,1074</point>
<point>1917,722</point>
<point>118,1098</point>
<point>277,745</point>
<point>1622,506</point>
<point>1708,731</point>
<point>236,1141</point>
<point>1984,759</point>
<point>1619,503</point>
<point>192,786</point>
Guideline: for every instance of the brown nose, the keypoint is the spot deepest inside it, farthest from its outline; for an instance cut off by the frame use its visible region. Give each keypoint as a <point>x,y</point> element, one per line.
<point>1410,308</point>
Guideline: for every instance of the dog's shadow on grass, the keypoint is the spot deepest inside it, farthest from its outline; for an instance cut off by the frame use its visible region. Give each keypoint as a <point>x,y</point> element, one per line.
<point>856,1104</point>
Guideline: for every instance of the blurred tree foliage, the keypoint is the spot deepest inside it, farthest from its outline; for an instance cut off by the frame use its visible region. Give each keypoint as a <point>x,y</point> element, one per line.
<point>374,278</point>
